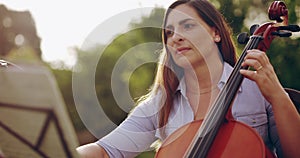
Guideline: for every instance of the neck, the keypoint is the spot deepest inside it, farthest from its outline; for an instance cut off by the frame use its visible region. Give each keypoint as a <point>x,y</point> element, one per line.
<point>206,76</point>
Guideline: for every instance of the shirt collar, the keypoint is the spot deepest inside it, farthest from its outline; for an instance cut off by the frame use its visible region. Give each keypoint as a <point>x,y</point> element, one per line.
<point>227,69</point>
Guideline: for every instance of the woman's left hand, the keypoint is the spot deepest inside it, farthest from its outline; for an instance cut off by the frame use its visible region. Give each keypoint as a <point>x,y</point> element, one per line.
<point>264,76</point>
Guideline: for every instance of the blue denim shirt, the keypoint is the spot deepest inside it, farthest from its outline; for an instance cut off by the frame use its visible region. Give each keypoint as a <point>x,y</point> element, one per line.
<point>140,129</point>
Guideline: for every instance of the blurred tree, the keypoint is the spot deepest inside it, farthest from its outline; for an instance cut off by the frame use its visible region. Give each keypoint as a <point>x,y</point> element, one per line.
<point>64,80</point>
<point>18,35</point>
<point>284,54</point>
<point>128,43</point>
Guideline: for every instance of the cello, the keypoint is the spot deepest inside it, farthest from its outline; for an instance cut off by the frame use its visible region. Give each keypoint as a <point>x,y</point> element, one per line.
<point>218,134</point>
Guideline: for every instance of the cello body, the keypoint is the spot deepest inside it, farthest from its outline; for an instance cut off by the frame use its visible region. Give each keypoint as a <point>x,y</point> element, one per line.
<point>234,140</point>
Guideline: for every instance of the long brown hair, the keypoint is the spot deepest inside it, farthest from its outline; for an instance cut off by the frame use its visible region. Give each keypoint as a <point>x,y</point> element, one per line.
<point>169,74</point>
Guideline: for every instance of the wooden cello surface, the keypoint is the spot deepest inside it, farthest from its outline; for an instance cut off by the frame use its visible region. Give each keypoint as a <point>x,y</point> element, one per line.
<point>234,140</point>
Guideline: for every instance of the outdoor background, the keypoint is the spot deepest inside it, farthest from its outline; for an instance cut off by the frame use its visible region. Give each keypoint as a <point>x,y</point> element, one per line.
<point>19,42</point>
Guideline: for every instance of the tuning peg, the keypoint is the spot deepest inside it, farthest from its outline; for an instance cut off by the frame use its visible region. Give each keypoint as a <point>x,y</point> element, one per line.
<point>243,38</point>
<point>253,28</point>
<point>282,34</point>
<point>293,28</point>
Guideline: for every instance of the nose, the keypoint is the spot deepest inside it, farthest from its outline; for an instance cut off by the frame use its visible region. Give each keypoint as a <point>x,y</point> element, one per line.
<point>177,37</point>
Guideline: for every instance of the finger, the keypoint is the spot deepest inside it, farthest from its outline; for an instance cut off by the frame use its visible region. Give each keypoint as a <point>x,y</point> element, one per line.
<point>253,63</point>
<point>259,68</point>
<point>252,75</point>
<point>257,55</point>
<point>256,51</point>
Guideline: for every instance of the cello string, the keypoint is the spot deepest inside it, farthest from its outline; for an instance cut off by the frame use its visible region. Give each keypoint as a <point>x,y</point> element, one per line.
<point>216,111</point>
<point>236,74</point>
<point>231,83</point>
<point>213,110</point>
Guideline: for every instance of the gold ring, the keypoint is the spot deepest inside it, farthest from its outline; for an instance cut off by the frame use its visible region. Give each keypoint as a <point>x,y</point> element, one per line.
<point>259,68</point>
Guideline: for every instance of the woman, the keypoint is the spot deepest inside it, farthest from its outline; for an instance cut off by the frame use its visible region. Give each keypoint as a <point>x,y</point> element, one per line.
<point>197,59</point>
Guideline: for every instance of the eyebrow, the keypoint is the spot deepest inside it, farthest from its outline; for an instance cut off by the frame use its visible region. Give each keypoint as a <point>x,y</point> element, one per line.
<point>181,22</point>
<point>185,20</point>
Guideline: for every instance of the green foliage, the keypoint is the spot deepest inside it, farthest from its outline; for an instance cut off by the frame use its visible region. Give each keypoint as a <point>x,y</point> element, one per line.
<point>138,43</point>
<point>64,81</point>
<point>142,77</point>
<point>284,54</point>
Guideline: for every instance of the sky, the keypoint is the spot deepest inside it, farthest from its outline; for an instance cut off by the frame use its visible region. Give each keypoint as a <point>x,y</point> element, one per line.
<point>65,24</point>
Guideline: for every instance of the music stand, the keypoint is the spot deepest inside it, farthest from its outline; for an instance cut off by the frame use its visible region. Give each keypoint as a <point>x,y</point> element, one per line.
<point>33,117</point>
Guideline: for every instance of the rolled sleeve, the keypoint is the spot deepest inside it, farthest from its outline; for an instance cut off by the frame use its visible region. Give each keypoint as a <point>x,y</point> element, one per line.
<point>135,134</point>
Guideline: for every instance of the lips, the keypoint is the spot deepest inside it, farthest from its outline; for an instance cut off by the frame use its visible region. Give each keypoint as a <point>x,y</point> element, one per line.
<point>181,50</point>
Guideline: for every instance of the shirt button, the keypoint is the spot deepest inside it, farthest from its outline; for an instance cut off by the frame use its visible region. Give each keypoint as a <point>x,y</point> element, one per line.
<point>253,120</point>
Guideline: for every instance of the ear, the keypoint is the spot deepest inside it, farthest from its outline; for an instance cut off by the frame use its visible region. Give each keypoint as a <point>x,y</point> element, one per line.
<point>216,36</point>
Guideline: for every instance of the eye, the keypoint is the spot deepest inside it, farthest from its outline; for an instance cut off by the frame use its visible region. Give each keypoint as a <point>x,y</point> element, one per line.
<point>188,26</point>
<point>169,32</point>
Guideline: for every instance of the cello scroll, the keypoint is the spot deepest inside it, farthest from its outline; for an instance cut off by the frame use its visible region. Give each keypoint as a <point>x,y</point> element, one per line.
<point>268,31</point>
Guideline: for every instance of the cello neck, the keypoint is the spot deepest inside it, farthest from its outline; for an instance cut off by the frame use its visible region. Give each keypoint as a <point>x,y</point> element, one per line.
<point>216,115</point>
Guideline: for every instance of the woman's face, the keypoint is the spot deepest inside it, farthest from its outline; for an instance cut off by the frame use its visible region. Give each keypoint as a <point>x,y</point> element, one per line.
<point>189,39</point>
